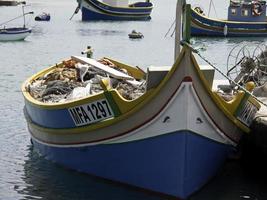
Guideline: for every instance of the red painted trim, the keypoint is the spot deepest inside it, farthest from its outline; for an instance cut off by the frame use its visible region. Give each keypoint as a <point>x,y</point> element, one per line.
<point>230,138</point>
<point>187,79</point>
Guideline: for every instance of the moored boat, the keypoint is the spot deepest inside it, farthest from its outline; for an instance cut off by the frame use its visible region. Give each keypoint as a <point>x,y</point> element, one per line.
<point>43,17</point>
<point>15,33</point>
<point>114,10</point>
<point>171,138</point>
<point>135,35</point>
<point>245,19</point>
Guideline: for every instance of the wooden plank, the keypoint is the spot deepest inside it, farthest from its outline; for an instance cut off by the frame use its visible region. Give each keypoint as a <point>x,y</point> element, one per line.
<point>112,72</point>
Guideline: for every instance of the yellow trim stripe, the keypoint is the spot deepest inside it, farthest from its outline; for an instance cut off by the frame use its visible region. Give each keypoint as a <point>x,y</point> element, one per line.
<point>121,7</point>
<point>227,21</point>
<point>217,100</point>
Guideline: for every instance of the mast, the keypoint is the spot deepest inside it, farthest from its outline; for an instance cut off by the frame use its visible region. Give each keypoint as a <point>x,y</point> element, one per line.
<point>182,26</point>
<point>178,20</point>
<point>24,21</point>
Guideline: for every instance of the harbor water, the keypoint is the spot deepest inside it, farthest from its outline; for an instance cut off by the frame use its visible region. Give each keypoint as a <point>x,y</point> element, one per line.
<point>26,175</point>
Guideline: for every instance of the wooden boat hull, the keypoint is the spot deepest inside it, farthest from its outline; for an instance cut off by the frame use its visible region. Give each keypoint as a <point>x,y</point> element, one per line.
<point>159,164</point>
<point>96,10</point>
<point>204,26</point>
<point>14,34</point>
<point>171,140</point>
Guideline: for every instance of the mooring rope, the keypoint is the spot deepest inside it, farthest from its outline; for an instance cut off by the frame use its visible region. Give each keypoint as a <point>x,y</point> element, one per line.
<point>224,75</point>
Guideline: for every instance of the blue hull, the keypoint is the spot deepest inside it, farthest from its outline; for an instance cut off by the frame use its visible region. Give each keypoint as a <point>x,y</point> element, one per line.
<point>96,10</point>
<point>203,26</point>
<point>176,164</point>
<point>88,15</point>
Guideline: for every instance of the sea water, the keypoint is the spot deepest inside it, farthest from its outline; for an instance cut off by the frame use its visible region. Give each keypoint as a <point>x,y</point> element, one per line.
<point>26,175</point>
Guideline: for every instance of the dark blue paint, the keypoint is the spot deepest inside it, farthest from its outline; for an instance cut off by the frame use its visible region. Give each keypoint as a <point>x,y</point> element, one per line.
<point>250,29</point>
<point>117,13</point>
<point>212,23</point>
<point>145,7</point>
<point>250,17</point>
<point>90,15</point>
<point>58,118</point>
<point>11,31</point>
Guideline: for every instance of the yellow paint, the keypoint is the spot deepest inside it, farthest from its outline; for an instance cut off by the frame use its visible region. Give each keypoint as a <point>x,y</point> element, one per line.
<point>226,108</point>
<point>233,104</point>
<point>105,84</point>
<point>226,21</point>
<point>133,71</point>
<point>133,106</point>
<point>127,105</point>
<point>130,107</point>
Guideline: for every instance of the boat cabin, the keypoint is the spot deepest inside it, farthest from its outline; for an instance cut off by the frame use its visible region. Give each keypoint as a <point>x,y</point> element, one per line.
<point>247,11</point>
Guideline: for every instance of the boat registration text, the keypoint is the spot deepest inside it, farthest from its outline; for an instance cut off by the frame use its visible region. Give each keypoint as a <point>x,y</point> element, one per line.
<point>91,112</point>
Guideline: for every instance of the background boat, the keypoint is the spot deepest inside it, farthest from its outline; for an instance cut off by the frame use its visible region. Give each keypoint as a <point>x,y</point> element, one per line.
<point>245,19</point>
<point>15,33</point>
<point>43,17</point>
<point>114,10</point>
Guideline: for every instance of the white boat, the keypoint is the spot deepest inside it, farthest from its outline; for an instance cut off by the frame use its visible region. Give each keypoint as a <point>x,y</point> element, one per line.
<point>15,33</point>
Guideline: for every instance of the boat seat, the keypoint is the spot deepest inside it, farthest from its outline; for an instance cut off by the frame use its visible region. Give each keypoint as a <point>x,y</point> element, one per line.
<point>155,75</point>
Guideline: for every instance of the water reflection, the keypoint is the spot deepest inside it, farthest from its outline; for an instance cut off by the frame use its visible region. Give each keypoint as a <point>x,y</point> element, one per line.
<point>47,180</point>
<point>44,179</point>
<point>104,32</point>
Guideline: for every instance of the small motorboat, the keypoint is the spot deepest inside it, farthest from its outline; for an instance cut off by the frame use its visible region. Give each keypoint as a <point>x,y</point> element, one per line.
<point>135,35</point>
<point>42,17</point>
<point>15,33</point>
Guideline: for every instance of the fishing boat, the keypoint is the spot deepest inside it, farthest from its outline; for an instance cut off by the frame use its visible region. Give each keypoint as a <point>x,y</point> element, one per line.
<point>43,17</point>
<point>170,139</point>
<point>114,10</point>
<point>15,33</point>
<point>245,19</point>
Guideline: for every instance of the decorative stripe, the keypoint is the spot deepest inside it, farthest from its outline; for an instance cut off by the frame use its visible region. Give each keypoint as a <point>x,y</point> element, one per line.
<point>118,14</point>
<point>149,121</point>
<point>226,21</point>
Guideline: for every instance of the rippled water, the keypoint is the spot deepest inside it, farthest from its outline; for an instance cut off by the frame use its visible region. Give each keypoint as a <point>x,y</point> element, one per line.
<point>26,175</point>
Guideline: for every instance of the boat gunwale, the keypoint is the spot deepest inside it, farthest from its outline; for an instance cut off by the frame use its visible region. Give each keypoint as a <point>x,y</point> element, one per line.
<point>200,25</point>
<point>68,104</point>
<point>217,101</point>
<point>11,31</point>
<point>227,21</point>
<point>120,7</point>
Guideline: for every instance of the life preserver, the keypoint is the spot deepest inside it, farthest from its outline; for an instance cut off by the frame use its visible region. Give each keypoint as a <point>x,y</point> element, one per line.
<point>256,9</point>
